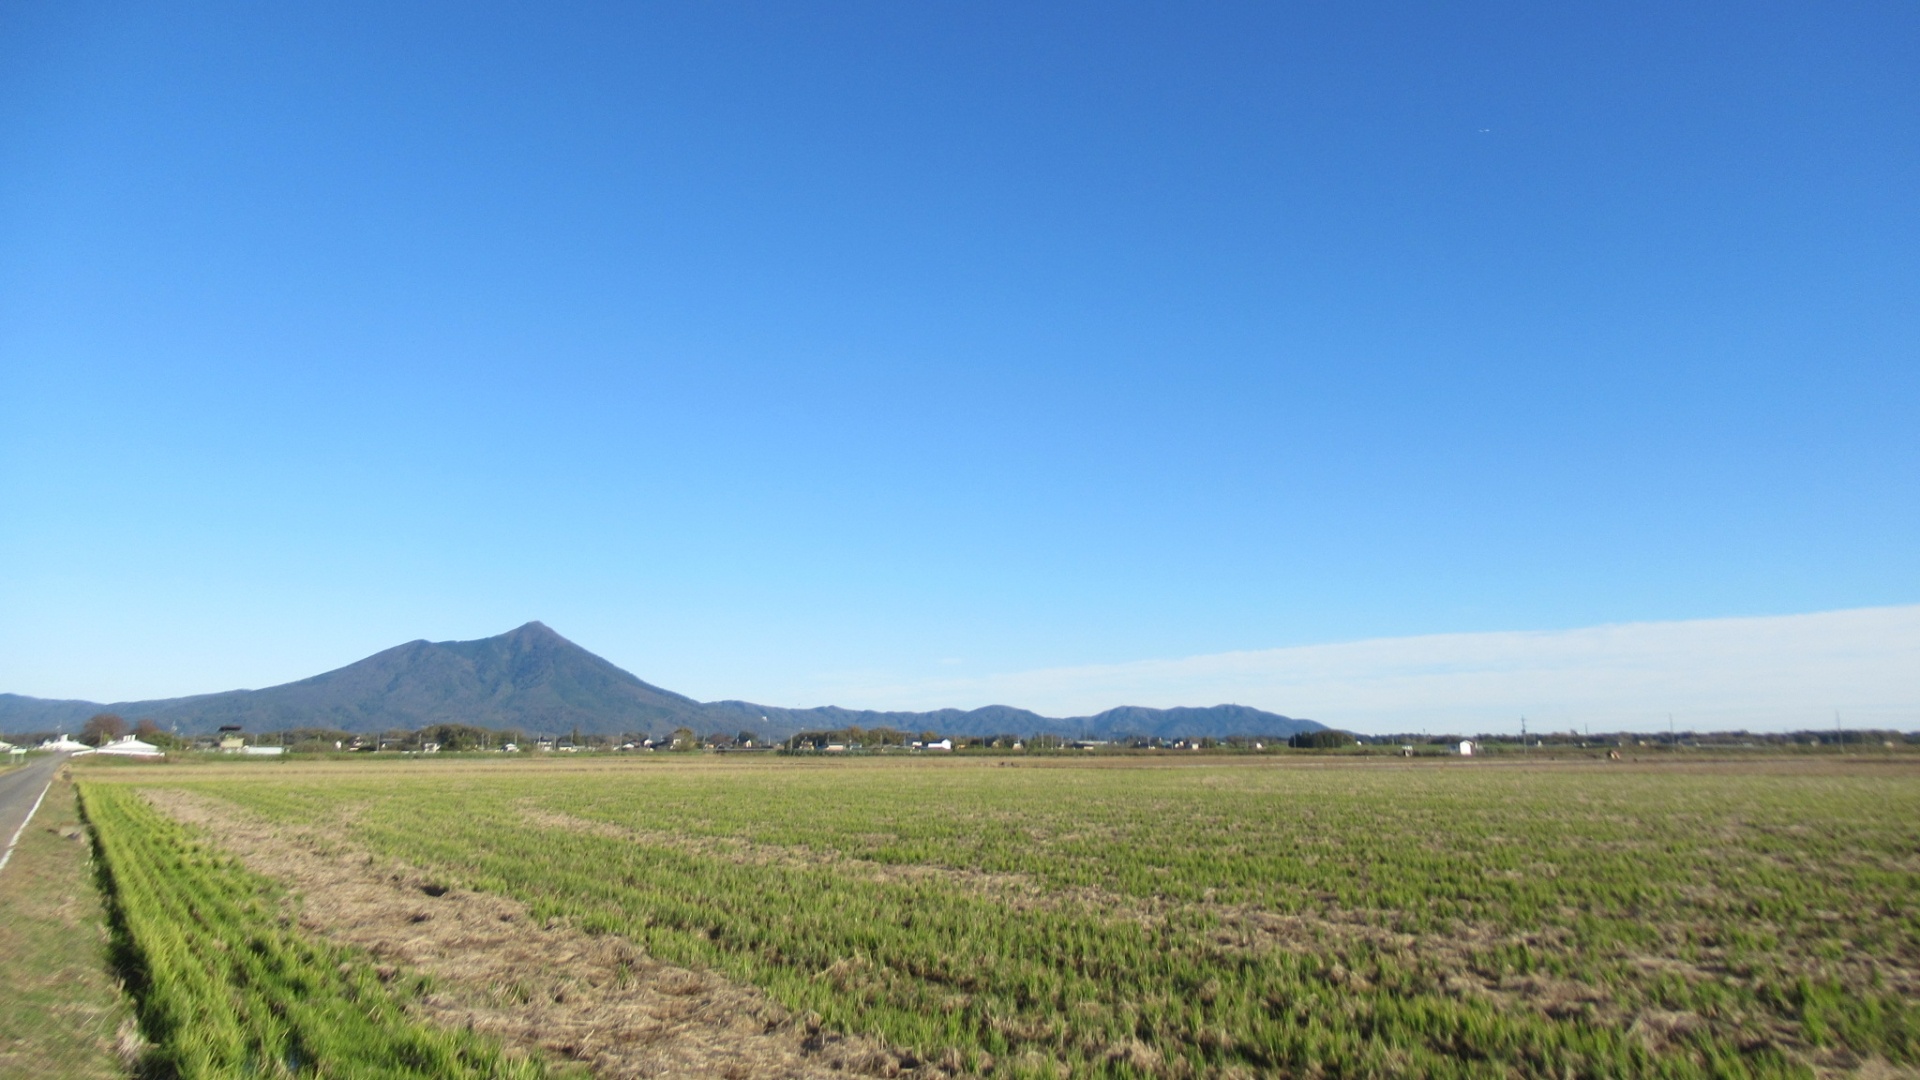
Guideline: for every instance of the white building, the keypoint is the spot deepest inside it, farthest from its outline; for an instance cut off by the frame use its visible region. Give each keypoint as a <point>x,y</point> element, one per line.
<point>1466,747</point>
<point>129,746</point>
<point>62,745</point>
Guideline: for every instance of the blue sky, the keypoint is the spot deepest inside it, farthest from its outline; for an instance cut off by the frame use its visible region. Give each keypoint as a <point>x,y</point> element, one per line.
<point>775,350</point>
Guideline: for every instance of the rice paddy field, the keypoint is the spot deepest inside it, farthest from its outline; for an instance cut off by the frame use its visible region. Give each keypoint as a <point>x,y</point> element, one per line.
<point>1086,918</point>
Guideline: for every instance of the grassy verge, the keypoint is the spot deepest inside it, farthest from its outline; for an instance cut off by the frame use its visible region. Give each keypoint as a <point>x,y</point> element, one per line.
<point>225,985</point>
<point>60,1010</point>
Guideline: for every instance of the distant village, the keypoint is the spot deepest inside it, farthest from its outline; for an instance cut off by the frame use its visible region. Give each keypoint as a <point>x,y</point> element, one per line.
<point>111,736</point>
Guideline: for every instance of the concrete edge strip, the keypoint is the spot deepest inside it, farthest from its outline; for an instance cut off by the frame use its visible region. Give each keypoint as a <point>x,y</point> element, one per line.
<point>17,833</point>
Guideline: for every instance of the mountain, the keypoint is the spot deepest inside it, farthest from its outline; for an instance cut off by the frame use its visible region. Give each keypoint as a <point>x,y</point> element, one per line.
<point>535,680</point>
<point>1218,721</point>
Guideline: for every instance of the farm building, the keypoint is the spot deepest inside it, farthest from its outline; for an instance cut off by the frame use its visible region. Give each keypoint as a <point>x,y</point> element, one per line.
<point>1466,747</point>
<point>131,746</point>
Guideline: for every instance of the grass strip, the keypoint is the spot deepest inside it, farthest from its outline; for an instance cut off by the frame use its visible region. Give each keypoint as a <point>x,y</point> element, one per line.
<point>60,1012</point>
<point>223,983</point>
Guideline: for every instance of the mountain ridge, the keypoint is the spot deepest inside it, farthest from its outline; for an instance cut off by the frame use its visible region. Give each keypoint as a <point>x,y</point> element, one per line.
<point>533,679</point>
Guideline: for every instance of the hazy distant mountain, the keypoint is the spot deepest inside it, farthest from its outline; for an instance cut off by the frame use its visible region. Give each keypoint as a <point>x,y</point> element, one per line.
<point>1219,721</point>
<point>19,713</point>
<point>537,681</point>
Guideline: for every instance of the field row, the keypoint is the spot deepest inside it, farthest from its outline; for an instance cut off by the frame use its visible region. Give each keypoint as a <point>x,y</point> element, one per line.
<point>1226,919</point>
<point>225,986</point>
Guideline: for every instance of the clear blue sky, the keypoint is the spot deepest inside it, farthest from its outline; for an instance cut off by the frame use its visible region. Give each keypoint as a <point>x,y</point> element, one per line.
<point>760,346</point>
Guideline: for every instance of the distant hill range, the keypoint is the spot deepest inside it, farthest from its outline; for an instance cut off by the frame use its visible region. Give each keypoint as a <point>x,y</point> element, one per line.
<point>534,680</point>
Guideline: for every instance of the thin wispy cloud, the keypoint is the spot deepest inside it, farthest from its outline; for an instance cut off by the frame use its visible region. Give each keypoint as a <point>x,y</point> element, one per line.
<point>1765,673</point>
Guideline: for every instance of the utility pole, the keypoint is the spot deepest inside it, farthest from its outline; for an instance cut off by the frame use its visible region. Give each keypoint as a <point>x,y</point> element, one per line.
<point>1672,739</point>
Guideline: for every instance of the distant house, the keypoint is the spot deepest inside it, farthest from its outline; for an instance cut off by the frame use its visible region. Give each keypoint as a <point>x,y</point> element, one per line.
<point>1466,747</point>
<point>60,744</point>
<point>231,739</point>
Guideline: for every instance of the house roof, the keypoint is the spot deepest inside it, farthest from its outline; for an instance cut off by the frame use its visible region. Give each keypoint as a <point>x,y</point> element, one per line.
<point>131,747</point>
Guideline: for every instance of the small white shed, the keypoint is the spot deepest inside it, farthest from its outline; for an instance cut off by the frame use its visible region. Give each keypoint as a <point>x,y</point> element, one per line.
<point>1466,747</point>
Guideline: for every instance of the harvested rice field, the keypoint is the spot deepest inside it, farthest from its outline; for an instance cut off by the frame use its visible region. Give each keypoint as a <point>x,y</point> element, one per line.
<point>704,916</point>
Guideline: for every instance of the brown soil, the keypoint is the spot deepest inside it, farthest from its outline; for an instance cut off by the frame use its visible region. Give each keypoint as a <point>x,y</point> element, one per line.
<point>597,1000</point>
<point>1018,892</point>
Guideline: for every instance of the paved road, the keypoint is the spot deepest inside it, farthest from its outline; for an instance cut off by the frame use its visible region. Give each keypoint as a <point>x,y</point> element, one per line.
<point>20,788</point>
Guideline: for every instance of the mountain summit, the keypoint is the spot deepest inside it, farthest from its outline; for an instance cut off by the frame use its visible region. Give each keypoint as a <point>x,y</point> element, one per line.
<point>532,679</point>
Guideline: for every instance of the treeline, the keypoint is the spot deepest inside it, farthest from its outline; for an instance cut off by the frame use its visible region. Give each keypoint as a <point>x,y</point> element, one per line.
<point>103,728</point>
<point>1724,739</point>
<point>855,738</point>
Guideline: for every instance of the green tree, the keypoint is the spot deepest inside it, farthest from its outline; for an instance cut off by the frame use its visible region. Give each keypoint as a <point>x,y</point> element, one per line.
<point>1320,740</point>
<point>149,731</point>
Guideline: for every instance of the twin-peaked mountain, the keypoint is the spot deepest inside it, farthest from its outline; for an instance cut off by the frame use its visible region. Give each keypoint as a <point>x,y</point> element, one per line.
<point>534,680</point>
